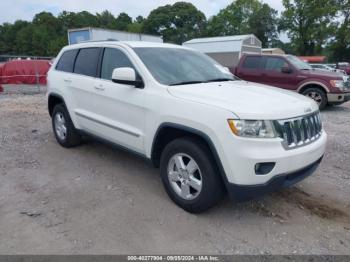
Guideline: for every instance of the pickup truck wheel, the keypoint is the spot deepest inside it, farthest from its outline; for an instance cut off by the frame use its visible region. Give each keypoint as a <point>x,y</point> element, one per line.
<point>318,95</point>
<point>63,128</point>
<point>190,176</point>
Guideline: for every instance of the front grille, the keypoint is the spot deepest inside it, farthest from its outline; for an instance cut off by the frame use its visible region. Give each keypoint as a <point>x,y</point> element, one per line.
<point>347,84</point>
<point>299,131</point>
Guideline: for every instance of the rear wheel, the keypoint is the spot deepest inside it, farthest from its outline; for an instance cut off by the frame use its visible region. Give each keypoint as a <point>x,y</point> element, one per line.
<point>190,176</point>
<point>64,130</point>
<point>318,95</point>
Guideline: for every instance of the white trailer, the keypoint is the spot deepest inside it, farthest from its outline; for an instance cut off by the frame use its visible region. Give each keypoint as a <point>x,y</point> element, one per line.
<point>226,50</point>
<point>76,36</point>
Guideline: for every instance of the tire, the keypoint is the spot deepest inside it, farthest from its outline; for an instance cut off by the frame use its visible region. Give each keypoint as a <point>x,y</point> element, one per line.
<point>318,95</point>
<point>195,156</point>
<point>63,128</point>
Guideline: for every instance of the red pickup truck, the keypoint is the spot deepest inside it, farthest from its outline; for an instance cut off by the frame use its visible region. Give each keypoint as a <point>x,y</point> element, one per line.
<point>289,72</point>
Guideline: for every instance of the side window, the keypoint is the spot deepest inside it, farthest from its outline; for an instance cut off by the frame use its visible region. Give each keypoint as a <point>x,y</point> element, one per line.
<point>275,63</point>
<point>113,58</point>
<point>252,62</point>
<point>87,61</point>
<point>66,62</point>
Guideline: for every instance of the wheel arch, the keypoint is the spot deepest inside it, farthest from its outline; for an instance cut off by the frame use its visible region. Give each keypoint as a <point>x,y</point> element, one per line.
<point>53,100</point>
<point>167,132</point>
<point>313,84</point>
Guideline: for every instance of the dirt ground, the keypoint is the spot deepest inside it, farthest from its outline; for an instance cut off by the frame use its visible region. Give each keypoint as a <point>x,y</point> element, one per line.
<point>94,199</point>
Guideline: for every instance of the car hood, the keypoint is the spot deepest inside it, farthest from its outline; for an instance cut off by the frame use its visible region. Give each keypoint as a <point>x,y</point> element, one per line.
<point>247,100</point>
<point>322,74</point>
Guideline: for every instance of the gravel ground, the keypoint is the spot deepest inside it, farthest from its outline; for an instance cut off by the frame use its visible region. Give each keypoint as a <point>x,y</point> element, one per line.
<point>94,199</point>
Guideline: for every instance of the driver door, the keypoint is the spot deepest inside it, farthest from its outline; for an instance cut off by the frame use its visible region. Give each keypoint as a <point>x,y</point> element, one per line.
<point>272,73</point>
<point>119,109</point>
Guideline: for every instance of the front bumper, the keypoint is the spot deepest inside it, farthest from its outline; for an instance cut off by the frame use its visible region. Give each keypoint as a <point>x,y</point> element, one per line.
<point>241,155</point>
<point>247,192</point>
<point>334,99</point>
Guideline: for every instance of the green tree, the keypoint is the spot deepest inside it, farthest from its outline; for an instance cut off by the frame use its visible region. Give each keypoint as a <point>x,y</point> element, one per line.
<point>106,20</point>
<point>46,29</point>
<point>245,17</point>
<point>24,38</point>
<point>8,36</point>
<point>308,23</point>
<point>340,46</point>
<point>137,25</point>
<point>176,23</point>
<point>123,21</point>
<point>70,20</point>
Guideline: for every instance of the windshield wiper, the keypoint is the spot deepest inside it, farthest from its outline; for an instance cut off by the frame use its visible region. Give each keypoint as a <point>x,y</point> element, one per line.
<point>219,80</point>
<point>186,83</point>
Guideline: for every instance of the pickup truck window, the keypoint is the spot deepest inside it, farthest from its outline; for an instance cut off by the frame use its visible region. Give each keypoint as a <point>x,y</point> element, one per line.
<point>175,66</point>
<point>275,63</point>
<point>112,59</point>
<point>252,62</point>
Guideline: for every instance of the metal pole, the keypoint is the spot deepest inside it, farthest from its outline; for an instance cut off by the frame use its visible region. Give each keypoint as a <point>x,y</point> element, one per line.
<point>37,74</point>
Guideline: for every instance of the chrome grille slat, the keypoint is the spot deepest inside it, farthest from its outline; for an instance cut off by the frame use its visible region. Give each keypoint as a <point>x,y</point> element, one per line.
<point>312,127</point>
<point>300,131</point>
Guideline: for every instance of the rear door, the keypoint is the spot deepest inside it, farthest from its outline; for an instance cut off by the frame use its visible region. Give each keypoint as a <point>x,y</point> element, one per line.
<point>62,76</point>
<point>250,68</point>
<point>82,85</point>
<point>272,73</point>
<point>119,112</point>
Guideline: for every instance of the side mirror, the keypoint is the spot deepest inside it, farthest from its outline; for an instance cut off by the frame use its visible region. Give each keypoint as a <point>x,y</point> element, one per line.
<point>127,76</point>
<point>286,70</point>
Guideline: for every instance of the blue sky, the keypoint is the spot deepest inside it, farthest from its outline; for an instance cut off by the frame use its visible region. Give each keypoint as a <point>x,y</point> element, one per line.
<point>26,9</point>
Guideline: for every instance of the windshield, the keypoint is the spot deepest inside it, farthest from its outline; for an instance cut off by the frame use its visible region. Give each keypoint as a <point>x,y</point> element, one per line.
<point>177,66</point>
<point>299,64</point>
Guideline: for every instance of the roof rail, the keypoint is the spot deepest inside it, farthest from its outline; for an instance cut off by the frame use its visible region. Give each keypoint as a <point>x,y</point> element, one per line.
<point>91,41</point>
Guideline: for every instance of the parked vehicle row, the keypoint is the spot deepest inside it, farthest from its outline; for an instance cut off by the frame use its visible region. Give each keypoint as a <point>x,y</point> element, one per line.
<point>344,66</point>
<point>209,132</point>
<point>327,68</point>
<point>289,72</point>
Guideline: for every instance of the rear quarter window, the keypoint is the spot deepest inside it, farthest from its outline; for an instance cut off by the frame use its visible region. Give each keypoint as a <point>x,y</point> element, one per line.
<point>66,62</point>
<point>252,62</point>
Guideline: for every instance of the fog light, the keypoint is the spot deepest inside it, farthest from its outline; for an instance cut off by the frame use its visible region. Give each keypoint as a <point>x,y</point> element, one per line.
<point>264,168</point>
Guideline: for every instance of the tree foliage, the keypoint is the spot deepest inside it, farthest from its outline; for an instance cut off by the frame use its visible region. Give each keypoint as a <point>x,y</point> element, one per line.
<point>314,27</point>
<point>309,24</point>
<point>245,17</point>
<point>340,45</point>
<point>176,23</point>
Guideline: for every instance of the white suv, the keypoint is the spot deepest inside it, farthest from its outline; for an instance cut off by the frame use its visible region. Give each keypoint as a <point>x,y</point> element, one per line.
<point>209,132</point>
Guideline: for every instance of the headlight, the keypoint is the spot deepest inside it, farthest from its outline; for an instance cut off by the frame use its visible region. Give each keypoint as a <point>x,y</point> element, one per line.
<point>338,84</point>
<point>252,128</point>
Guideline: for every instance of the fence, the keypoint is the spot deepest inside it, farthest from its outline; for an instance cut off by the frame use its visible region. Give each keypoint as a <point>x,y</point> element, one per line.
<point>23,74</point>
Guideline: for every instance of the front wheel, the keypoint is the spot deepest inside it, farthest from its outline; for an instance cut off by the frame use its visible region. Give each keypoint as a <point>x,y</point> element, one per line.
<point>318,95</point>
<point>190,176</point>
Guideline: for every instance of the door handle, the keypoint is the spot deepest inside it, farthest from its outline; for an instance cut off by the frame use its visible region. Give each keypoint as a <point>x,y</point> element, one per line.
<point>99,87</point>
<point>68,81</point>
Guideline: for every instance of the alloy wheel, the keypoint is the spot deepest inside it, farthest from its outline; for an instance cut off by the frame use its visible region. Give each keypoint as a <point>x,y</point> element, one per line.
<point>60,126</point>
<point>185,176</point>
